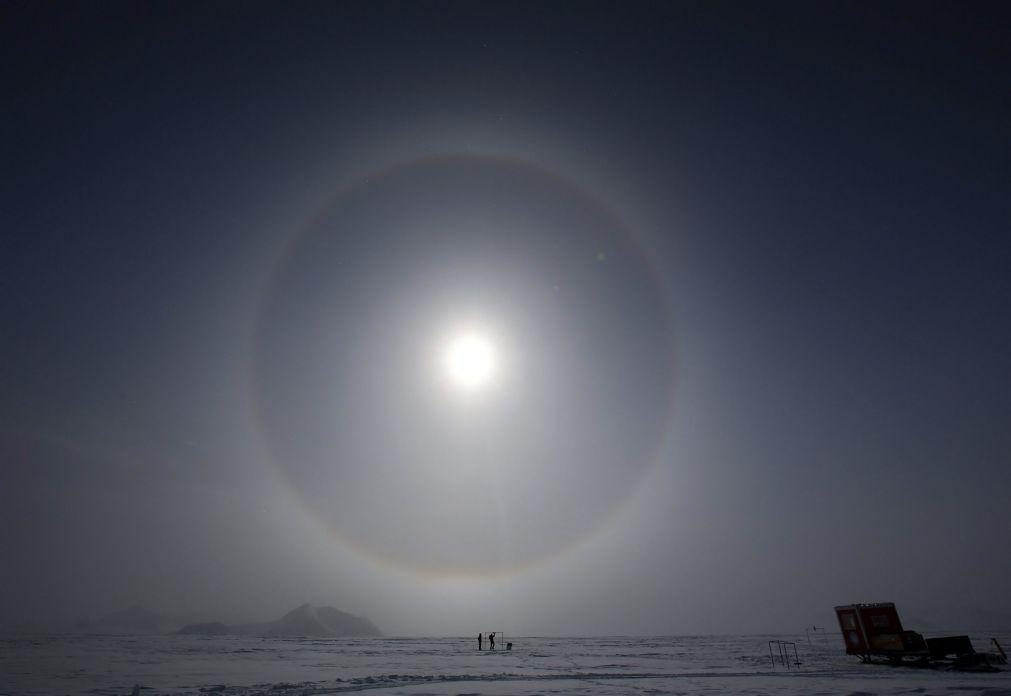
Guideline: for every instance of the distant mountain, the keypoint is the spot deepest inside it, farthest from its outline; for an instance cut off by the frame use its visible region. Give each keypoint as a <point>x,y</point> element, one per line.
<point>344,624</point>
<point>306,620</point>
<point>321,622</point>
<point>302,621</point>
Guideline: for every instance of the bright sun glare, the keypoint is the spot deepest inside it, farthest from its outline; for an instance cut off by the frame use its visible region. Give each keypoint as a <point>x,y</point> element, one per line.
<point>470,361</point>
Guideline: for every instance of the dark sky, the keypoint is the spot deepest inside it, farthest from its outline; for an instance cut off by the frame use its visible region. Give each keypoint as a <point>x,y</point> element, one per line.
<point>746,269</point>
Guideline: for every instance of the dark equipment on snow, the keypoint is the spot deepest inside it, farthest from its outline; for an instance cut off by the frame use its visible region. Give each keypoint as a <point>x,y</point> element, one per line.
<point>874,631</point>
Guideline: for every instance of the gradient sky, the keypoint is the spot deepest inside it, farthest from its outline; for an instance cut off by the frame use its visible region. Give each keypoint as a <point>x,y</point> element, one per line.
<point>747,270</point>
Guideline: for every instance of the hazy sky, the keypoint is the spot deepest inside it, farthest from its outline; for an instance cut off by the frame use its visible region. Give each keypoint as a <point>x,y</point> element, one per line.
<point>550,319</point>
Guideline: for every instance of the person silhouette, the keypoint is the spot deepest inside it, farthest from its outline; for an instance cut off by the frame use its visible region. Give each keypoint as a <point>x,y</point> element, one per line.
<point>491,640</point>
<point>478,641</point>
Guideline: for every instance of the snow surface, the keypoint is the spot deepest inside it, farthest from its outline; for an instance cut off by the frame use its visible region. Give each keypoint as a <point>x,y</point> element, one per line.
<point>246,666</point>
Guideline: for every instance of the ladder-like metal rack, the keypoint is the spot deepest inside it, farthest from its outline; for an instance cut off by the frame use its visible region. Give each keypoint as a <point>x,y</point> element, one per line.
<point>781,649</point>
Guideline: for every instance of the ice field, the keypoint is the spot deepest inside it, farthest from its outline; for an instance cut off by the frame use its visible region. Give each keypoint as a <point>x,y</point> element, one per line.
<point>233,666</point>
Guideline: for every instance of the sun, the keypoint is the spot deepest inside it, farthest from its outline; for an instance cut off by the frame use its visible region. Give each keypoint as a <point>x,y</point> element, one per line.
<point>470,361</point>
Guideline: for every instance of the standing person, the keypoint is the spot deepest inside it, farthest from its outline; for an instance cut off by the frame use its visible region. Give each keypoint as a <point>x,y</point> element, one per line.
<point>478,641</point>
<point>491,640</point>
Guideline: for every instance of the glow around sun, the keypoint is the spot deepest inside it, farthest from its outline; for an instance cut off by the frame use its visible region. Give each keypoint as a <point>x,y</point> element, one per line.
<point>470,361</point>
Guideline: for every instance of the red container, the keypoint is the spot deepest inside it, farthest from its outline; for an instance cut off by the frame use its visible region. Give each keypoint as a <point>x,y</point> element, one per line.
<point>872,629</point>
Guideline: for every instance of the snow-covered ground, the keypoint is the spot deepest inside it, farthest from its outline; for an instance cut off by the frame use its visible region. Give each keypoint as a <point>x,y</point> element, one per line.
<point>101,665</point>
